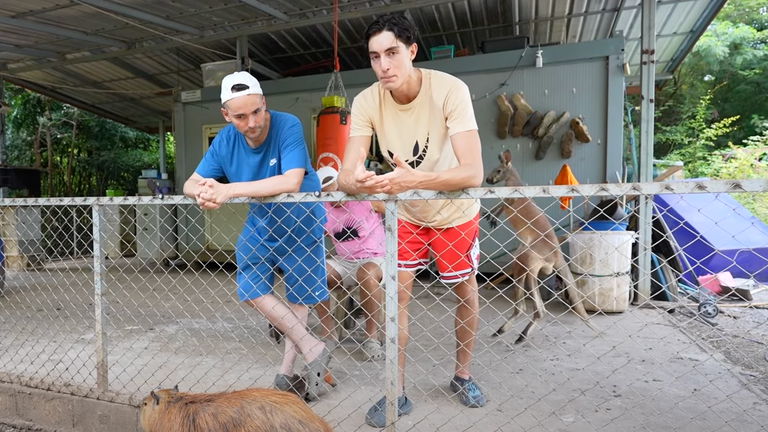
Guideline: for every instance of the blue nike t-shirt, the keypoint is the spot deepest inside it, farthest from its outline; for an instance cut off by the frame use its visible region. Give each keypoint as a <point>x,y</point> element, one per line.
<point>284,149</point>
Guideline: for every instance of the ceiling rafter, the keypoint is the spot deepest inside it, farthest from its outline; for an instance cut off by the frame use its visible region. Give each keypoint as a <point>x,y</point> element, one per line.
<point>267,9</point>
<point>246,29</point>
<point>264,60</point>
<point>140,103</point>
<point>264,70</point>
<point>296,38</point>
<point>139,73</point>
<point>141,15</point>
<point>67,99</point>
<point>30,52</point>
<point>61,31</point>
<point>329,38</point>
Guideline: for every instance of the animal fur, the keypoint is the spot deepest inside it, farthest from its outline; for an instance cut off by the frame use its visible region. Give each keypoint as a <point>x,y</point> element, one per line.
<point>249,410</point>
<point>539,250</point>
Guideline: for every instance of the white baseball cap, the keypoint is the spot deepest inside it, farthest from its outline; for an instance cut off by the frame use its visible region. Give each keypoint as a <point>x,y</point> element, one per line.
<point>242,78</point>
<point>327,175</point>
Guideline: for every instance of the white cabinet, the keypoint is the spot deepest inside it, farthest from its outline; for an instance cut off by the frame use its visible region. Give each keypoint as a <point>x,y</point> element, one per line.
<point>118,231</point>
<point>21,231</point>
<point>155,236</point>
<point>223,226</point>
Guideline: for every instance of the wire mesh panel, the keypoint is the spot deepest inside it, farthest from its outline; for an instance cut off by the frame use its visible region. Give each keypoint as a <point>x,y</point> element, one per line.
<point>112,298</point>
<point>47,297</point>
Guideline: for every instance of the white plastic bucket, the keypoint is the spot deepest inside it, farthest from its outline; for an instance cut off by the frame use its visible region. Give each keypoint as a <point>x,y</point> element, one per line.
<point>600,263</point>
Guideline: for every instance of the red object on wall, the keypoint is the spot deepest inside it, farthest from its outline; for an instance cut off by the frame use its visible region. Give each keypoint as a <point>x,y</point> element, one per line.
<point>332,134</point>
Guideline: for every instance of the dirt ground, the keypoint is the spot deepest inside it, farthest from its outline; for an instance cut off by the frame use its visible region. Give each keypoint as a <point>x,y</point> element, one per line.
<point>645,370</point>
<point>740,335</point>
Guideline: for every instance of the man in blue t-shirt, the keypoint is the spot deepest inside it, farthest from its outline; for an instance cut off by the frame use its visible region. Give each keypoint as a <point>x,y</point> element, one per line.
<point>262,153</point>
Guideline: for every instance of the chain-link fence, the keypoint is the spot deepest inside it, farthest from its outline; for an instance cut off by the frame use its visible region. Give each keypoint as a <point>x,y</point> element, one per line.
<point>113,297</point>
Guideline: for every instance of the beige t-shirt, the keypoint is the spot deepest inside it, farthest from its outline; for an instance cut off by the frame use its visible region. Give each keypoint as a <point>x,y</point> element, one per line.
<point>419,132</point>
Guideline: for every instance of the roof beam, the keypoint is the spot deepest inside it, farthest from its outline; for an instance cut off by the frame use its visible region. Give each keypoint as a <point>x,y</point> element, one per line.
<point>29,52</point>
<point>84,80</point>
<point>267,9</point>
<point>245,61</point>
<point>60,31</point>
<point>248,29</point>
<point>141,15</point>
<point>138,73</point>
<point>615,18</point>
<point>698,29</point>
<point>47,91</point>
<point>263,60</point>
<point>618,9</point>
<point>260,68</point>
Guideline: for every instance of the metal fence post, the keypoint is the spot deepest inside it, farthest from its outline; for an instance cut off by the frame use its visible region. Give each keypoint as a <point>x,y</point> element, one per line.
<point>647,83</point>
<point>99,270</point>
<point>391,371</point>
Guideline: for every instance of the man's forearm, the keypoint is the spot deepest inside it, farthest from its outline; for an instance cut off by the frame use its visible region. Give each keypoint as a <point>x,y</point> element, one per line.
<point>270,186</point>
<point>458,178</point>
<point>354,158</point>
<point>190,188</point>
<point>346,183</point>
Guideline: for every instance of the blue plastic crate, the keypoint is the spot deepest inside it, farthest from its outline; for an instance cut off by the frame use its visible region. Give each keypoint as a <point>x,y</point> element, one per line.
<point>605,225</point>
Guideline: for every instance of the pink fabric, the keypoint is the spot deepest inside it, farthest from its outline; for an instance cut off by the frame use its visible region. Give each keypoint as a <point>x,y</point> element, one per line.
<point>356,230</point>
<point>716,282</point>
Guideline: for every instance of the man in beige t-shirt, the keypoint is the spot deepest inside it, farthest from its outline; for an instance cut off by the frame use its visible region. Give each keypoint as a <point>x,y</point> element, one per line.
<point>426,129</point>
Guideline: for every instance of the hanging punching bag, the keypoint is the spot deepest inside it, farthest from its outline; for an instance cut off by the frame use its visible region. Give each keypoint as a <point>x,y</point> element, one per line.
<point>333,124</point>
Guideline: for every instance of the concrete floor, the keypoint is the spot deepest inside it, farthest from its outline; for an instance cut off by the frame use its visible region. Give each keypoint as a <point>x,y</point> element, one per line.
<point>642,372</point>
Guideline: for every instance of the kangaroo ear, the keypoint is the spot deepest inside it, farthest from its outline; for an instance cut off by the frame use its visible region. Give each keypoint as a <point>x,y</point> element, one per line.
<point>507,157</point>
<point>176,388</point>
<point>155,397</point>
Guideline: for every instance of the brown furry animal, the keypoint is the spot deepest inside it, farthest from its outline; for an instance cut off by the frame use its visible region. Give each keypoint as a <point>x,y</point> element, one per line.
<point>539,250</point>
<point>249,410</point>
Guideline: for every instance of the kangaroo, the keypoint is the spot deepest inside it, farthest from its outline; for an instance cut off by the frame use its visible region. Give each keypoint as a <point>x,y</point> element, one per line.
<point>539,250</point>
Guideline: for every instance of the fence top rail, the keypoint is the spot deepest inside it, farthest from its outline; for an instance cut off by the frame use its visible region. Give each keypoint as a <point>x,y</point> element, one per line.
<point>597,190</point>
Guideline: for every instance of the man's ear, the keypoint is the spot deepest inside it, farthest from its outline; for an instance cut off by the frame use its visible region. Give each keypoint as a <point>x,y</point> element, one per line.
<point>225,114</point>
<point>413,49</point>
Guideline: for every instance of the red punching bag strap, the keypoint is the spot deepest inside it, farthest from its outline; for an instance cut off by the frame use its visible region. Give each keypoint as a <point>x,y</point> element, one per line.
<point>335,85</point>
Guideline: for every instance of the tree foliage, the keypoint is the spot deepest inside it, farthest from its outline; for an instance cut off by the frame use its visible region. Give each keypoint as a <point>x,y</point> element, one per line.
<point>80,153</point>
<point>727,67</point>
<point>695,137</point>
<point>753,13</point>
<point>713,114</point>
<point>748,161</point>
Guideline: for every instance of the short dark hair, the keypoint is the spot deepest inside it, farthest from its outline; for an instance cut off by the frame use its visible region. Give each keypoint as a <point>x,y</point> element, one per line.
<point>402,27</point>
<point>239,87</point>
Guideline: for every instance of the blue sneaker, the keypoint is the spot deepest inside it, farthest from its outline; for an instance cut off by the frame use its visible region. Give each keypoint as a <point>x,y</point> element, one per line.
<point>469,392</point>
<point>377,416</point>
<point>291,384</point>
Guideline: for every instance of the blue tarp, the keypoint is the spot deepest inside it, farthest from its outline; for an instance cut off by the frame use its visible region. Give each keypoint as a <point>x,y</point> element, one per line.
<point>715,233</point>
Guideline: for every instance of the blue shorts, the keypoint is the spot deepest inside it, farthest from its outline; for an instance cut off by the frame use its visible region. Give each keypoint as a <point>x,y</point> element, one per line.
<point>301,258</point>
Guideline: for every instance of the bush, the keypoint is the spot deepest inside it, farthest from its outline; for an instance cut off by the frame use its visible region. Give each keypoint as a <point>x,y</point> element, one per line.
<point>749,161</point>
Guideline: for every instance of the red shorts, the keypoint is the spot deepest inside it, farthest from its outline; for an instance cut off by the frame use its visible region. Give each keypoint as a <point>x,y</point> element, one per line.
<point>456,249</point>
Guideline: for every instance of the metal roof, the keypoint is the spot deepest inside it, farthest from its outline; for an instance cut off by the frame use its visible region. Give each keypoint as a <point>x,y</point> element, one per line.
<point>127,59</point>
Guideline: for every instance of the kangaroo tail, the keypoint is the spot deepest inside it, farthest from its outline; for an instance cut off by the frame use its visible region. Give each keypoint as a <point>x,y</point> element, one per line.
<point>577,298</point>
